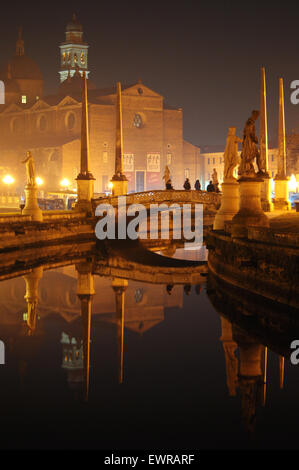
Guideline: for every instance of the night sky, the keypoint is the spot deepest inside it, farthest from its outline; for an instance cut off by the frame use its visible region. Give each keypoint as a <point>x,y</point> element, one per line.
<point>203,56</point>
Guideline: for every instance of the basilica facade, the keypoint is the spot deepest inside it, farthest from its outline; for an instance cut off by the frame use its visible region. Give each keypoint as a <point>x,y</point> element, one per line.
<point>50,126</point>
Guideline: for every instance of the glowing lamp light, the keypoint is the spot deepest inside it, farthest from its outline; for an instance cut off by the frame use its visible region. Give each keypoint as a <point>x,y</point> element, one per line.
<point>8,179</point>
<point>39,181</point>
<point>293,184</point>
<point>65,183</point>
<point>272,185</point>
<point>110,185</point>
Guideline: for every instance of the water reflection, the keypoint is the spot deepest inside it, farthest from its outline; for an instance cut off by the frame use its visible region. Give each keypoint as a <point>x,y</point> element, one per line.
<point>250,326</point>
<point>109,288</point>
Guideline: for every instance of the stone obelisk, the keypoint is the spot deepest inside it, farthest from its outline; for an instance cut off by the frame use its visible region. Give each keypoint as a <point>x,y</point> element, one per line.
<point>266,198</point>
<point>85,180</point>
<point>119,180</point>
<point>281,201</point>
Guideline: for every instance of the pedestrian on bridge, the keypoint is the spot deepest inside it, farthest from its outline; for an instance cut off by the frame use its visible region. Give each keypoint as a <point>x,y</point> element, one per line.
<point>197,185</point>
<point>211,187</point>
<point>187,185</point>
<point>169,184</point>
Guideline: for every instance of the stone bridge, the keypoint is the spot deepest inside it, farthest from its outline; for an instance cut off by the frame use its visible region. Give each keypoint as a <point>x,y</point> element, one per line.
<point>210,201</point>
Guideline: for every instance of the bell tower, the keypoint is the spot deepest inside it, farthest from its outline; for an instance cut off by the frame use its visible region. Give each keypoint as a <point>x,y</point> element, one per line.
<point>74,51</point>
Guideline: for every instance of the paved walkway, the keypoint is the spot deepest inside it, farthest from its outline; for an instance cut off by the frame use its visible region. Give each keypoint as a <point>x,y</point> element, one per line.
<point>282,221</point>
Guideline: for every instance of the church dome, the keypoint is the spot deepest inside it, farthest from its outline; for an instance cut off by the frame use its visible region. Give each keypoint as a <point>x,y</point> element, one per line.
<point>74,25</point>
<point>11,86</point>
<point>22,67</point>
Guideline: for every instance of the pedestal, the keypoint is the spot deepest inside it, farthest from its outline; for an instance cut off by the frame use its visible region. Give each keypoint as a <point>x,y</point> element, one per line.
<point>230,203</point>
<point>281,201</point>
<point>119,187</point>
<point>250,212</point>
<point>85,190</point>
<point>266,195</point>
<point>31,206</point>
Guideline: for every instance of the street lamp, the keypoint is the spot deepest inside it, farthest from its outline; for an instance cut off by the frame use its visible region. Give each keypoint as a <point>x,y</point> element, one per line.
<point>39,181</point>
<point>65,183</point>
<point>293,185</point>
<point>8,179</point>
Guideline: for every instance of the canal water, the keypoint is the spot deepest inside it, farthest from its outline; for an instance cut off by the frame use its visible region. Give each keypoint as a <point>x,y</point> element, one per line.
<point>180,371</point>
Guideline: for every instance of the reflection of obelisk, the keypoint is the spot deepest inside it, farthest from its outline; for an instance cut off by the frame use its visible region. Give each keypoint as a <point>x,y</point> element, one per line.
<point>281,181</point>
<point>266,199</point>
<point>85,180</point>
<point>281,371</point>
<point>85,291</point>
<point>119,286</point>
<point>264,363</point>
<point>72,360</point>
<point>250,379</point>
<point>119,180</point>
<point>231,361</point>
<point>32,281</point>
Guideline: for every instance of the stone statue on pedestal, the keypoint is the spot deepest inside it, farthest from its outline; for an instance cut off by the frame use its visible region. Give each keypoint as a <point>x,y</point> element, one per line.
<point>231,157</point>
<point>166,176</point>
<point>30,169</point>
<point>250,150</point>
<point>215,179</point>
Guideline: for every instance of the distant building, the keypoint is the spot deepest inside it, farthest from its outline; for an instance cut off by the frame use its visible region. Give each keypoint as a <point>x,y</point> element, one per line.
<point>210,160</point>
<point>49,126</point>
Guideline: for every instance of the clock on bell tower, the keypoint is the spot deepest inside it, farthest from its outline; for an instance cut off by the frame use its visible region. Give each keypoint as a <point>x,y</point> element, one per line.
<point>73,51</point>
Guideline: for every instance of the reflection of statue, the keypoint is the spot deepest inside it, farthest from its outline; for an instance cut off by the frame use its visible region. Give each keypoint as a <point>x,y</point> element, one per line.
<point>231,157</point>
<point>31,316</point>
<point>166,176</point>
<point>249,148</point>
<point>30,169</point>
<point>215,178</point>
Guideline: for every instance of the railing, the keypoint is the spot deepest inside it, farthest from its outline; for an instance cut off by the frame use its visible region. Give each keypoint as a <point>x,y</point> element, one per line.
<point>9,201</point>
<point>166,196</point>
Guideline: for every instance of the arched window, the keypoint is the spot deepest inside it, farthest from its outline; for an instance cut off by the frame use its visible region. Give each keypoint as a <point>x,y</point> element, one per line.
<point>15,125</point>
<point>70,121</point>
<point>42,123</point>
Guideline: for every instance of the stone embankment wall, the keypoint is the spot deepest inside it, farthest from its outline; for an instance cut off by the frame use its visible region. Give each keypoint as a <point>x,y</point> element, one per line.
<point>266,263</point>
<point>18,231</point>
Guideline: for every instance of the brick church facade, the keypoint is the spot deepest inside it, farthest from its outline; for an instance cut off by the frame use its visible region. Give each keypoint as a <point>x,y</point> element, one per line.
<point>49,126</point>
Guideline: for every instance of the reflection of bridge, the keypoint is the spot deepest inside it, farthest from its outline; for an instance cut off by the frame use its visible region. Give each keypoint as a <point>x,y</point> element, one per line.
<point>120,261</point>
<point>128,260</point>
<point>210,201</point>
